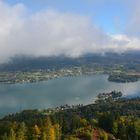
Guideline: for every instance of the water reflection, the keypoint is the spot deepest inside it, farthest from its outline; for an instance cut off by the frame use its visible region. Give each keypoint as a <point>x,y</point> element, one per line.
<point>67,90</point>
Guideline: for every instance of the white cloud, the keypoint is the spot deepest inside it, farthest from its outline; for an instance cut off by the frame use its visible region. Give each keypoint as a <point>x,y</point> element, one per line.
<point>124,43</point>
<point>133,24</point>
<point>50,32</point>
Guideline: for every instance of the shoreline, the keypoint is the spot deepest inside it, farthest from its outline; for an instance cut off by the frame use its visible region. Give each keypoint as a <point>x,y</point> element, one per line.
<point>38,76</point>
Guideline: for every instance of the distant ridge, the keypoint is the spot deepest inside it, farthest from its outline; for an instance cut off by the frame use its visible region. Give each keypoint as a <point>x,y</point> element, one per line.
<point>25,63</point>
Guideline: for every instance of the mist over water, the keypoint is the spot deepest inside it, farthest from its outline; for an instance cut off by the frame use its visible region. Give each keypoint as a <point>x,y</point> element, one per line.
<point>56,92</point>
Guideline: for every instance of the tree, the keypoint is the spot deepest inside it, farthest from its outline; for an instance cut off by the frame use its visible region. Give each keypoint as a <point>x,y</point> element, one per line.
<point>36,132</point>
<point>5,137</point>
<point>122,129</point>
<point>137,126</point>
<point>108,97</point>
<point>57,131</point>
<point>52,133</point>
<point>115,128</point>
<point>48,126</point>
<point>43,136</point>
<point>106,121</point>
<point>75,122</point>
<point>83,122</point>
<point>12,135</point>
<point>105,136</point>
<point>21,134</point>
<point>131,131</point>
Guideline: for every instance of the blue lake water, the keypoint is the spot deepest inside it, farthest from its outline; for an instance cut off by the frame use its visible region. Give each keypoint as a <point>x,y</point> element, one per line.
<point>56,92</point>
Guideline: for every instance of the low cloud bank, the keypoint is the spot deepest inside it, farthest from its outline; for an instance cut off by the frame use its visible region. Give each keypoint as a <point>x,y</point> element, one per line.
<point>52,33</point>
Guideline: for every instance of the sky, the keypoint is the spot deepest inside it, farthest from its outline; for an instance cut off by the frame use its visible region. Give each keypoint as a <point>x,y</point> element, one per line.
<point>106,13</point>
<point>68,27</point>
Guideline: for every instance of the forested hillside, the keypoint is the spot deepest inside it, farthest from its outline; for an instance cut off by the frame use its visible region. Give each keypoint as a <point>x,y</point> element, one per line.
<point>128,60</point>
<point>109,118</point>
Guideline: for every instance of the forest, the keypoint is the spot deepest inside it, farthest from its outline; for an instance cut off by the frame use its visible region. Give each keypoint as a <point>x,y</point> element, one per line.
<point>110,117</point>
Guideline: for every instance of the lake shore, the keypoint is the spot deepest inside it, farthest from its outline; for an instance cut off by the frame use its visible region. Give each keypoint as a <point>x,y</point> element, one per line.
<point>37,76</point>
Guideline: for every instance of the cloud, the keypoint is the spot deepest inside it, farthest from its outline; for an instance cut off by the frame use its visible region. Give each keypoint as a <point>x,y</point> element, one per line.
<point>133,24</point>
<point>50,32</point>
<point>10,21</point>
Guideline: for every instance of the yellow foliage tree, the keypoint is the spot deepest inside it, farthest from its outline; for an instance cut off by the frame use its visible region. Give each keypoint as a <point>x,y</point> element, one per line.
<point>36,132</point>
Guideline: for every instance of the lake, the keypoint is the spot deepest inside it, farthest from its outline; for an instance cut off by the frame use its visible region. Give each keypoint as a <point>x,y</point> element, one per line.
<point>56,92</point>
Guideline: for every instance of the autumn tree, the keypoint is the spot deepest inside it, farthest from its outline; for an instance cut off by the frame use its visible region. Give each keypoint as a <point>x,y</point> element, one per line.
<point>12,135</point>
<point>21,134</point>
<point>36,132</point>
